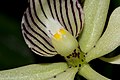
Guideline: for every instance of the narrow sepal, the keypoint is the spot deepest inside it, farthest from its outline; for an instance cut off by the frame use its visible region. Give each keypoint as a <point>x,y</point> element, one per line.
<point>95,16</point>
<point>34,71</point>
<point>110,40</point>
<point>90,74</point>
<point>113,60</point>
<point>68,74</point>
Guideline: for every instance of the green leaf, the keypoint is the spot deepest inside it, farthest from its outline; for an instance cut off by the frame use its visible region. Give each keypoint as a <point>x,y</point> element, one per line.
<point>113,60</point>
<point>34,71</point>
<point>69,74</point>
<point>109,40</point>
<point>95,16</point>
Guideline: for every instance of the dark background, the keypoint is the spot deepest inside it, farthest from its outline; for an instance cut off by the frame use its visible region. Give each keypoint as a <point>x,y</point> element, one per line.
<point>14,51</point>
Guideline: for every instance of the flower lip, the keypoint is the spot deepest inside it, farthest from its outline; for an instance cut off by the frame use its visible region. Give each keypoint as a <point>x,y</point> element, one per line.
<point>44,18</point>
<point>53,28</point>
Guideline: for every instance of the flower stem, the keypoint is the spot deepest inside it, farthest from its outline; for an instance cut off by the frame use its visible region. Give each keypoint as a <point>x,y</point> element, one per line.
<point>87,72</point>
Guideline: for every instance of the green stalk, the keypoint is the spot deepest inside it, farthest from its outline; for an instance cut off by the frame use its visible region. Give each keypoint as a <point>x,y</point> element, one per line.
<point>87,72</point>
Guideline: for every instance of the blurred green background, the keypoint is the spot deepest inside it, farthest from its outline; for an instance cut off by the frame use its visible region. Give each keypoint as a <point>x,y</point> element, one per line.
<point>14,51</point>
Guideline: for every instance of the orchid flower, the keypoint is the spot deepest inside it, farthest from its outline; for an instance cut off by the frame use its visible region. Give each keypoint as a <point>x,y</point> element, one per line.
<point>64,27</point>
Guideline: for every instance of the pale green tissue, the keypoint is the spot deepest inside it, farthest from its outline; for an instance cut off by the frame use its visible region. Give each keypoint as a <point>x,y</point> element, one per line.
<point>95,16</point>
<point>33,72</point>
<point>110,39</point>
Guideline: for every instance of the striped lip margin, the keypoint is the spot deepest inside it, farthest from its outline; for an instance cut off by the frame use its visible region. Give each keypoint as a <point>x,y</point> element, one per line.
<point>61,14</point>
